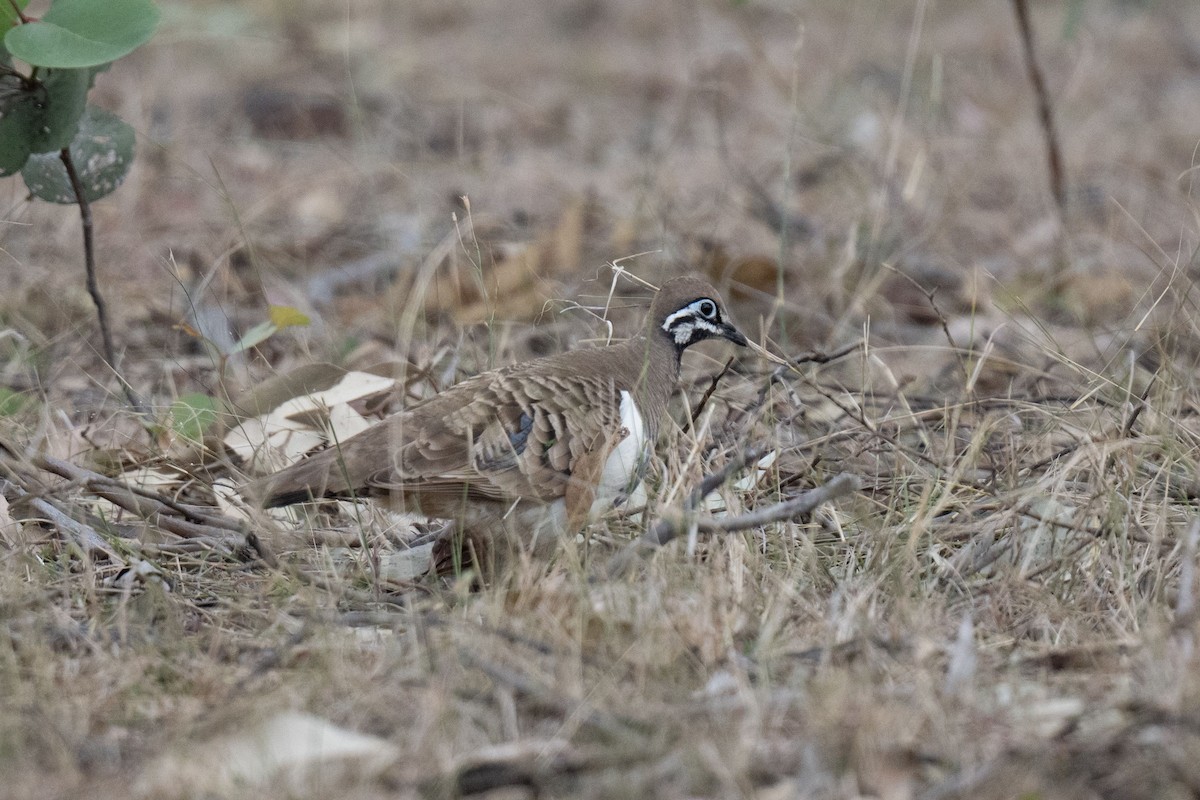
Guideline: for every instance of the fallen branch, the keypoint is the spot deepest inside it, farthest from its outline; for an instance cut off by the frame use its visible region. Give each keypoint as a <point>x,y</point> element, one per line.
<point>197,529</point>
<point>188,523</point>
<point>712,482</point>
<point>82,535</point>
<point>677,522</point>
<point>214,531</point>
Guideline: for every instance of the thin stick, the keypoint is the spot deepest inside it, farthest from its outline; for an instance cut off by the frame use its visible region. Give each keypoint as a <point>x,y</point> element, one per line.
<point>82,535</point>
<point>929,293</point>
<point>131,498</point>
<point>712,387</point>
<point>676,523</point>
<point>779,512</point>
<point>89,261</point>
<point>154,509</point>
<point>20,15</point>
<point>818,357</point>
<point>714,481</point>
<point>1045,111</point>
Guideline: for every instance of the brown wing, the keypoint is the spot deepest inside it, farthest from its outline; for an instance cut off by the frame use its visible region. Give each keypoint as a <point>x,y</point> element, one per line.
<point>500,435</point>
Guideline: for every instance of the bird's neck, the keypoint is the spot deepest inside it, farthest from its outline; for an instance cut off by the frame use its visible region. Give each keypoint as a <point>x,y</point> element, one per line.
<point>657,373</point>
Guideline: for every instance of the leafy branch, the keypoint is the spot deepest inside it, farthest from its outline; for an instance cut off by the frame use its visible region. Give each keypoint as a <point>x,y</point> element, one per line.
<point>66,150</point>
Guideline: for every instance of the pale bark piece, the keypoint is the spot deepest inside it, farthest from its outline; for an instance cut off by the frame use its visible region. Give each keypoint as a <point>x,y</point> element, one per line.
<point>295,753</point>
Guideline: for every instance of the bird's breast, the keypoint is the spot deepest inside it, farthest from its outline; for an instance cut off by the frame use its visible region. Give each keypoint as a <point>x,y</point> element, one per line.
<point>626,461</point>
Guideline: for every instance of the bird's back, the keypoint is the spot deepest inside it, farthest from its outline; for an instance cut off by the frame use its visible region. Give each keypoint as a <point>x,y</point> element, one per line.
<point>517,432</point>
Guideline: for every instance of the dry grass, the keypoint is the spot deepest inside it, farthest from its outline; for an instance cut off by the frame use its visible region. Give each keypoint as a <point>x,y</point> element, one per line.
<point>1006,609</point>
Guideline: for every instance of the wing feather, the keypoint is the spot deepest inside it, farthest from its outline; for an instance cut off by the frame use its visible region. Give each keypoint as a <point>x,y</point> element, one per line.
<point>502,435</point>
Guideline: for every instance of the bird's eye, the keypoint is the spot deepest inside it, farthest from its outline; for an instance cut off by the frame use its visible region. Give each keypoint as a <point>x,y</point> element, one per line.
<point>708,308</point>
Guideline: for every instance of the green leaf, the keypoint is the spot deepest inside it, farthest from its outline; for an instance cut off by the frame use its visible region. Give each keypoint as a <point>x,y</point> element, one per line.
<point>280,317</point>
<point>255,336</point>
<point>193,414</point>
<point>8,15</point>
<point>21,108</point>
<point>83,33</point>
<point>102,151</point>
<point>40,116</point>
<point>66,98</point>
<point>11,402</point>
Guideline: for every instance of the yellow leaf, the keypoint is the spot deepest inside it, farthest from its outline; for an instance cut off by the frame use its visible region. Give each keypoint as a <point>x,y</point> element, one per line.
<point>286,317</point>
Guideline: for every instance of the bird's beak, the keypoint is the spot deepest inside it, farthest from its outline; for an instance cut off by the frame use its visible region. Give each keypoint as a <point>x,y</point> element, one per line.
<point>733,334</point>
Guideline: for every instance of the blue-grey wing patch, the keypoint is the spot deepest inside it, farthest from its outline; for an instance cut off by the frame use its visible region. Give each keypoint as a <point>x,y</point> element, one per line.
<point>499,446</point>
<point>517,438</point>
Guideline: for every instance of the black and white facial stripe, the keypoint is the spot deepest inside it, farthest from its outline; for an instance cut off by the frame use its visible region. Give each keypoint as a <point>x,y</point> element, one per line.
<point>698,320</point>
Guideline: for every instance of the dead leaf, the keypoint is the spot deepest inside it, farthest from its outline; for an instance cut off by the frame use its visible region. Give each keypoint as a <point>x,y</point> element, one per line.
<point>268,395</point>
<point>308,755</point>
<point>10,531</point>
<point>512,285</point>
<point>1100,297</point>
<point>303,423</point>
<point>404,566</point>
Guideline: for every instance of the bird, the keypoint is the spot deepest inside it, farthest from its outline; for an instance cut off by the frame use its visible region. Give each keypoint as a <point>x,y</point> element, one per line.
<point>546,444</point>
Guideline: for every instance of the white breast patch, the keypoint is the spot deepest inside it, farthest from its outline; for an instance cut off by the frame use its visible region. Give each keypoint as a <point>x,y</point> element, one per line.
<point>625,461</point>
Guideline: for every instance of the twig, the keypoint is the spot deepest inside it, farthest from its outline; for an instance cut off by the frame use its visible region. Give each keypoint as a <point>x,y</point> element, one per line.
<point>620,563</point>
<point>155,510</point>
<point>1127,428</point>
<point>661,532</point>
<point>84,536</point>
<point>139,501</point>
<point>675,524</point>
<point>779,512</point>
<point>89,261</point>
<point>929,293</point>
<point>20,14</point>
<point>1045,111</point>
<point>229,545</point>
<point>712,482</point>
<point>152,509</point>
<point>817,357</point>
<point>708,393</point>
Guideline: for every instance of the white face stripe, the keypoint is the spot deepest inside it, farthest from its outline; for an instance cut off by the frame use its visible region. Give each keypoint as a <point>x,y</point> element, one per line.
<point>670,320</point>
<point>684,332</point>
<point>682,324</point>
<point>690,310</point>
